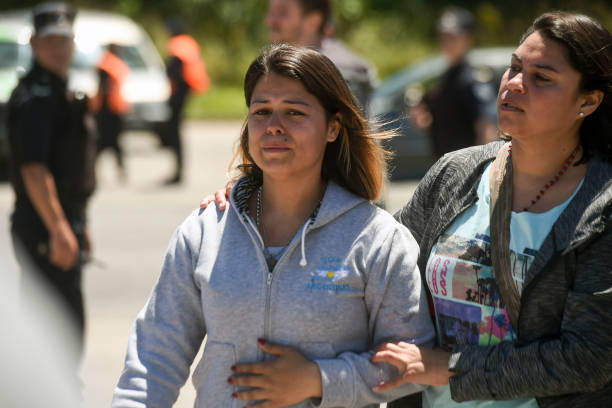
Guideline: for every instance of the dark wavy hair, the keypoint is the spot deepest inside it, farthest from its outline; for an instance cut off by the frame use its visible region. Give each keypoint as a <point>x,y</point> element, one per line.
<point>355,160</point>
<point>589,51</point>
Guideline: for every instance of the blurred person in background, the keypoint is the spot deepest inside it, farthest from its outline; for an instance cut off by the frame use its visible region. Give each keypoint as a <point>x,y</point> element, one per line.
<point>53,143</point>
<point>307,23</point>
<point>187,73</point>
<point>109,105</point>
<point>456,111</point>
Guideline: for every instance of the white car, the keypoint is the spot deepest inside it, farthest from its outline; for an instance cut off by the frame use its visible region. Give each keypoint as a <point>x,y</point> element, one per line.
<point>147,88</point>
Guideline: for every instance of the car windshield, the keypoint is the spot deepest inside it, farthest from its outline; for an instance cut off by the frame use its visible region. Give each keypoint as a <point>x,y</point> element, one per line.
<point>132,57</point>
<point>9,54</point>
<point>89,58</point>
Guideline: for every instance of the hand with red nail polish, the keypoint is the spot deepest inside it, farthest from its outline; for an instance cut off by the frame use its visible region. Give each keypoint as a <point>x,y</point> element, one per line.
<point>286,380</point>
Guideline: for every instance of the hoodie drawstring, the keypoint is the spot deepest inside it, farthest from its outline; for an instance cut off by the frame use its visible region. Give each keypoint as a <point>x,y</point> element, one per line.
<point>304,261</point>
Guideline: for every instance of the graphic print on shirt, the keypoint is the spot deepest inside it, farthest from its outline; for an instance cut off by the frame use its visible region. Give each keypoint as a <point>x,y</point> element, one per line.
<point>466,296</point>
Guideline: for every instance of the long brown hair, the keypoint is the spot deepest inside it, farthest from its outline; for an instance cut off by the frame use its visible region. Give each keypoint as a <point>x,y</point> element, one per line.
<point>355,160</point>
<point>589,51</point>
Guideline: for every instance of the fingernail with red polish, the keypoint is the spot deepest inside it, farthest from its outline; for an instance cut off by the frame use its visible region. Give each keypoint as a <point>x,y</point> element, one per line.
<point>233,368</point>
<point>229,380</point>
<point>261,341</point>
<point>234,395</point>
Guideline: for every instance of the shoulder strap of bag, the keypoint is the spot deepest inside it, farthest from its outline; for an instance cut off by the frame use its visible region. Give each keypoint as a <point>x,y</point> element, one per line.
<point>501,211</point>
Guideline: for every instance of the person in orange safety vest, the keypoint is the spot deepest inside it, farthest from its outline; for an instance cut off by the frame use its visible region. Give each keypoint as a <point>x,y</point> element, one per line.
<point>109,105</point>
<point>187,73</point>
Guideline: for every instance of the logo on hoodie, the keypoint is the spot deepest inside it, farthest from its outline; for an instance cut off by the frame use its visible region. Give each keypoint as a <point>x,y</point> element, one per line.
<point>328,277</point>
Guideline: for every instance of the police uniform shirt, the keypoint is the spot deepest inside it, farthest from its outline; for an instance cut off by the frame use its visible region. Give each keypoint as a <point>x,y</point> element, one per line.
<point>49,125</point>
<point>455,104</point>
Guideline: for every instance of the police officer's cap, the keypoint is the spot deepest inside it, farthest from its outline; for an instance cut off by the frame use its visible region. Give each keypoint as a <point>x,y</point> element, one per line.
<point>456,21</point>
<point>53,19</point>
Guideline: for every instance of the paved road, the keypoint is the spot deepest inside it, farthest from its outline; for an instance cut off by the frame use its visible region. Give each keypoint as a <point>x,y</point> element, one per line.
<point>131,224</point>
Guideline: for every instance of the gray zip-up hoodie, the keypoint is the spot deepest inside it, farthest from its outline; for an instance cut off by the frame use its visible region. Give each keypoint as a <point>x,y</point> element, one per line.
<point>347,281</point>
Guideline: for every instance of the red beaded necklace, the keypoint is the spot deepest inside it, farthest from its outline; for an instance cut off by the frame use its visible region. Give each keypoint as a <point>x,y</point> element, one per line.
<point>554,179</point>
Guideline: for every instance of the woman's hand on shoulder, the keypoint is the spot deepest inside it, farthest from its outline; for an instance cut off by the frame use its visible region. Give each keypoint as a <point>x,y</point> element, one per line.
<point>220,197</point>
<point>286,380</point>
<point>415,364</point>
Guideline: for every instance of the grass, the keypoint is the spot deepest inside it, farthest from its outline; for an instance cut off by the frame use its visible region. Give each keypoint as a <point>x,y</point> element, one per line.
<point>225,99</point>
<point>219,102</point>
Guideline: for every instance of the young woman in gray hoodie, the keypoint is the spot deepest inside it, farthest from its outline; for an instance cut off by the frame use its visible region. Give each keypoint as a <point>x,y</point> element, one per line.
<point>296,281</point>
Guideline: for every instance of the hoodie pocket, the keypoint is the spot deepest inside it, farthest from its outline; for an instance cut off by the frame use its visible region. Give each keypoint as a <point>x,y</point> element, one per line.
<point>314,350</point>
<point>211,374</point>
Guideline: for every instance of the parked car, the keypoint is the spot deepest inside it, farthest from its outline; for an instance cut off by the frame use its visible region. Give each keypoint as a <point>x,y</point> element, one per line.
<point>147,88</point>
<point>392,100</point>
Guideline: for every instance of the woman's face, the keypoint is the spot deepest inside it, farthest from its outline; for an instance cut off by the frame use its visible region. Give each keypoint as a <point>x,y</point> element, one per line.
<point>539,96</point>
<point>288,128</point>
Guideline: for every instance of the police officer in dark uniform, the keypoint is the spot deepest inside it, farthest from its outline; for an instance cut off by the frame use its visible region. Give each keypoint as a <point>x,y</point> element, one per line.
<point>53,143</point>
<point>456,110</point>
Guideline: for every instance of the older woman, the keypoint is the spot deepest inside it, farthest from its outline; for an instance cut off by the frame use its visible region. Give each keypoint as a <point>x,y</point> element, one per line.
<point>516,239</point>
<point>295,282</point>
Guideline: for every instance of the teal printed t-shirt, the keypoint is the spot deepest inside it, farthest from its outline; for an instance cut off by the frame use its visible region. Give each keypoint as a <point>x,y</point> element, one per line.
<point>460,277</point>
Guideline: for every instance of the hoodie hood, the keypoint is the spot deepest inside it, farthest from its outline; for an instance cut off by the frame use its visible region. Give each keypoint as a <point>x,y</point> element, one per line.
<point>335,202</point>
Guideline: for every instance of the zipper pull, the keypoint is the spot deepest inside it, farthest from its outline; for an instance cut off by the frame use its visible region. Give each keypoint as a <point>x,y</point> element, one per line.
<point>269,279</point>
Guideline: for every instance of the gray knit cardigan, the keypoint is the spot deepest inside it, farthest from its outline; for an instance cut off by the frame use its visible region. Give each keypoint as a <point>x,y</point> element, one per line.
<point>563,355</point>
